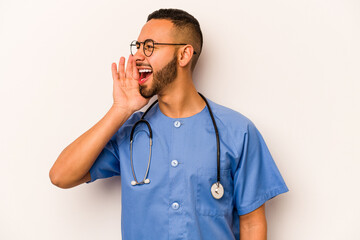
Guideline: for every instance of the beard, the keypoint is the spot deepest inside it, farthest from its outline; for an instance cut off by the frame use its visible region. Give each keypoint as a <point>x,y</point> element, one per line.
<point>161,79</point>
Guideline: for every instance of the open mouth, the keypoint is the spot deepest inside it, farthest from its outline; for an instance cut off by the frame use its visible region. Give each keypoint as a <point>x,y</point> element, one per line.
<point>144,75</point>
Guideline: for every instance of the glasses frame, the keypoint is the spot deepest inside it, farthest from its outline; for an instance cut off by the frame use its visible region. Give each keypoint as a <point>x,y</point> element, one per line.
<point>138,45</point>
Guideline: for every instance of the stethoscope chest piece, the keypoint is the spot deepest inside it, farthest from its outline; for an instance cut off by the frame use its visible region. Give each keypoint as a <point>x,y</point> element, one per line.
<point>217,190</point>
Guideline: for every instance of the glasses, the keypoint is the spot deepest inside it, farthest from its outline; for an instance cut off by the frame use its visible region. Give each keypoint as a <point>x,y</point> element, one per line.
<point>148,46</point>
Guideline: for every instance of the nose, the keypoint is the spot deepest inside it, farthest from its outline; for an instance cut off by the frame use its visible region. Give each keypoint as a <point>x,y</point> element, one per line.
<point>139,56</point>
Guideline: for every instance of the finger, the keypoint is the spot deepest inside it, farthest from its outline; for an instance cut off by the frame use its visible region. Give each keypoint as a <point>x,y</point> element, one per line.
<point>135,70</point>
<point>121,68</point>
<point>129,66</point>
<point>115,74</point>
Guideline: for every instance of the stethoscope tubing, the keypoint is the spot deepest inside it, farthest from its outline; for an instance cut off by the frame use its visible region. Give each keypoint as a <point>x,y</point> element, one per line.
<point>142,120</point>
<point>217,138</point>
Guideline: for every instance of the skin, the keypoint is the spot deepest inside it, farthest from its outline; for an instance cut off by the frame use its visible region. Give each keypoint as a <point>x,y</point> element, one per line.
<point>178,98</point>
<point>161,78</point>
<point>253,225</point>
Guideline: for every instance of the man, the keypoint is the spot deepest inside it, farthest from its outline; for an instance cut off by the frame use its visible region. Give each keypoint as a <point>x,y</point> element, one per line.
<point>170,197</point>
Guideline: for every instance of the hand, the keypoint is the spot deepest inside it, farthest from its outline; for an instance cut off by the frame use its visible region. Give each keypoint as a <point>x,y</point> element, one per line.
<point>126,92</point>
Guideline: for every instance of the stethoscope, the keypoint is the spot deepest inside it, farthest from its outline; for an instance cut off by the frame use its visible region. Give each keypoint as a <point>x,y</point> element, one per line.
<point>217,190</point>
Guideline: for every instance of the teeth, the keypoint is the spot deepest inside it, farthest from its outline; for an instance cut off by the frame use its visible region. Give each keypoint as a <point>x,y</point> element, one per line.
<point>144,70</point>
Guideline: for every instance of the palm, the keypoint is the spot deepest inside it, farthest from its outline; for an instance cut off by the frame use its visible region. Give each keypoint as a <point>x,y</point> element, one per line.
<point>126,92</point>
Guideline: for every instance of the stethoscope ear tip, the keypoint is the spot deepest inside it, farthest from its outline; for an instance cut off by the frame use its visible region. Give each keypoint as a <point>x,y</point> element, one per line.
<point>146,181</point>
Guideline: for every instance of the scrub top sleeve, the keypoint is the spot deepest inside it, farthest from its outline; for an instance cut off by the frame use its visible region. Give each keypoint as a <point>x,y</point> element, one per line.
<point>256,179</point>
<point>107,163</point>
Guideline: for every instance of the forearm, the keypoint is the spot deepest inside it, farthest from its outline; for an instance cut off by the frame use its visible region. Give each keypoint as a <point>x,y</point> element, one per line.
<point>253,225</point>
<point>254,232</point>
<point>75,160</point>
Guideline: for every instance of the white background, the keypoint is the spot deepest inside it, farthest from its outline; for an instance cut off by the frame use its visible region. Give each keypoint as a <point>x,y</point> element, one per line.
<point>290,66</point>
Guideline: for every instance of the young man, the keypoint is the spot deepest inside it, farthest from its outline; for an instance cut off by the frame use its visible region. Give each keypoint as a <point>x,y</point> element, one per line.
<point>176,188</point>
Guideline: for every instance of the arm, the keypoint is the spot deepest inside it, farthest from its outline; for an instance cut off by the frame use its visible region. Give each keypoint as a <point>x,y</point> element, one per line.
<point>73,164</point>
<point>253,225</point>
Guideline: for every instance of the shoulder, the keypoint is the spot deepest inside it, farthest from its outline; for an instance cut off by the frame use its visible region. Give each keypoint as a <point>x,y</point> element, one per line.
<point>236,129</point>
<point>230,119</point>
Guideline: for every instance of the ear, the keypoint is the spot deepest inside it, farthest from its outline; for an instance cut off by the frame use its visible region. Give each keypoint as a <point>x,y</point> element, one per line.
<point>185,55</point>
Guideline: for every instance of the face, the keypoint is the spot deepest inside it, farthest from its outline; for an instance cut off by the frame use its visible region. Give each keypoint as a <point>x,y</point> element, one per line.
<point>161,79</point>
<point>160,69</point>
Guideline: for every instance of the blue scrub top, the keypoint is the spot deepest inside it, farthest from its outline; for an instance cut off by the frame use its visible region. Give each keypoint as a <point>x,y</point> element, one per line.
<point>177,204</point>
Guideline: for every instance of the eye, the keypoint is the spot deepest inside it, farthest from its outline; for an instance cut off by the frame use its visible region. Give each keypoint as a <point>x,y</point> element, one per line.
<point>149,46</point>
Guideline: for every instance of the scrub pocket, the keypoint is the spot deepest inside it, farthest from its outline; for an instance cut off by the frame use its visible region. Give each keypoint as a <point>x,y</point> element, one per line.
<point>206,204</point>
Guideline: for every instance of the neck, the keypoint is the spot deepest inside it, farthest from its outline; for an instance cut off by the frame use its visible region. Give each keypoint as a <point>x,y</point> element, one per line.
<point>180,99</point>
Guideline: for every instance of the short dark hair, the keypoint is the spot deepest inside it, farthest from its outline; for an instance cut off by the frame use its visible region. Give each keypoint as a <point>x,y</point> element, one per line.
<point>183,21</point>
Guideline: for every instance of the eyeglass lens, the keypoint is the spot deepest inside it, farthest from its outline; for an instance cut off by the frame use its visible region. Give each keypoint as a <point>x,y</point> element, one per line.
<point>148,47</point>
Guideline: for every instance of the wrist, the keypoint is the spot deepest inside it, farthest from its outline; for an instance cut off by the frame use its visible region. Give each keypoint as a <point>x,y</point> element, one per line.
<point>119,114</point>
<point>122,110</point>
